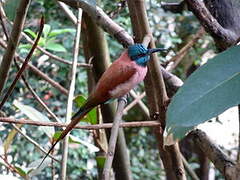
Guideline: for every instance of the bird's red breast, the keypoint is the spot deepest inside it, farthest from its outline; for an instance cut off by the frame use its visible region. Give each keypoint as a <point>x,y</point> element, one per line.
<point>123,75</point>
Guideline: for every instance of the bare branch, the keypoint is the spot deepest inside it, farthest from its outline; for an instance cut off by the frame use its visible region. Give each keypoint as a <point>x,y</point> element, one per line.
<point>34,142</point>
<point>221,161</point>
<point>86,127</point>
<point>71,94</point>
<point>21,70</point>
<point>13,41</point>
<point>224,37</point>
<point>113,139</point>
<point>102,19</point>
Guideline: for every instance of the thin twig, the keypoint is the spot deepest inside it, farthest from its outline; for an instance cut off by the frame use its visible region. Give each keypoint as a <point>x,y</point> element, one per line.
<point>189,170</point>
<point>39,100</point>
<point>87,127</point>
<point>71,94</point>
<point>38,72</point>
<point>183,51</point>
<point>19,73</point>
<point>68,12</point>
<point>13,41</point>
<point>113,139</point>
<point>33,142</point>
<point>137,100</point>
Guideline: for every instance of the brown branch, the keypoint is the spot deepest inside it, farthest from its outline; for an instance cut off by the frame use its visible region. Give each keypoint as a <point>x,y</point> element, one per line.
<point>221,161</point>
<point>113,139</point>
<point>156,93</point>
<point>38,72</point>
<point>13,41</point>
<point>24,65</point>
<point>87,127</point>
<point>102,19</point>
<point>71,94</point>
<point>183,51</point>
<point>224,37</point>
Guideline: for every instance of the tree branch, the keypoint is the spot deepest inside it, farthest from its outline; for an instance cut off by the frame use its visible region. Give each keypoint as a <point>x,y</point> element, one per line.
<point>71,94</point>
<point>113,138</point>
<point>24,65</point>
<point>224,37</point>
<point>221,161</point>
<point>13,41</point>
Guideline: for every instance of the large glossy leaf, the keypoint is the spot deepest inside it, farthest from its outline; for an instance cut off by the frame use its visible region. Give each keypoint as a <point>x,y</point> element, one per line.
<point>35,115</point>
<point>209,91</point>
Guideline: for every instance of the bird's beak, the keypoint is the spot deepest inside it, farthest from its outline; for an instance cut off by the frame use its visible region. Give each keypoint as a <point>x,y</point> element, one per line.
<point>150,51</point>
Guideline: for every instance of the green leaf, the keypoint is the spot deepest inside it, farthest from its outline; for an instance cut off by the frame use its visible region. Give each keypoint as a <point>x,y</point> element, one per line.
<point>10,7</point>
<point>8,141</point>
<point>21,171</point>
<point>29,31</point>
<point>91,117</point>
<point>100,161</point>
<point>55,47</point>
<point>35,115</point>
<point>56,32</point>
<point>46,30</point>
<point>209,91</point>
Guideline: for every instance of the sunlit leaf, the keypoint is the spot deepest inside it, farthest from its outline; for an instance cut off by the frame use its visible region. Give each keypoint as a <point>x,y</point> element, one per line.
<point>55,47</point>
<point>46,30</point>
<point>29,31</point>
<point>8,141</point>
<point>209,91</point>
<point>35,115</point>
<point>21,171</point>
<point>56,32</point>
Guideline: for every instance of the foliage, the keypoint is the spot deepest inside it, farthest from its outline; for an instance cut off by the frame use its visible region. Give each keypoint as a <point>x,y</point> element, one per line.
<point>205,94</point>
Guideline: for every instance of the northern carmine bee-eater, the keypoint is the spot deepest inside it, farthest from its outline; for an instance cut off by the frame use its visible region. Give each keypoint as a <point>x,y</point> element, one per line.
<point>123,75</point>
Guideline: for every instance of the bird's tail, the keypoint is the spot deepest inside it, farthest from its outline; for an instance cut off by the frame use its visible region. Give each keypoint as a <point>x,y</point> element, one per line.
<point>75,119</point>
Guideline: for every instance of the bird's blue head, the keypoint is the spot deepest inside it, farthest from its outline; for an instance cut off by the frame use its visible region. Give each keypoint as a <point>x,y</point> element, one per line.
<point>140,54</point>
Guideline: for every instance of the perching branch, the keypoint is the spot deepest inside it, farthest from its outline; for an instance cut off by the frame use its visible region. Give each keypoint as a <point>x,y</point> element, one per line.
<point>113,138</point>
<point>21,70</point>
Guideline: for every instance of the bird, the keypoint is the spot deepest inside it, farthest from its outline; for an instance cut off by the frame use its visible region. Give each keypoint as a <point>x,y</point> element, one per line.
<point>122,76</point>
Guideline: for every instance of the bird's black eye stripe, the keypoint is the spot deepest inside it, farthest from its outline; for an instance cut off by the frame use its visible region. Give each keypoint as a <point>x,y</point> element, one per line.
<point>138,56</point>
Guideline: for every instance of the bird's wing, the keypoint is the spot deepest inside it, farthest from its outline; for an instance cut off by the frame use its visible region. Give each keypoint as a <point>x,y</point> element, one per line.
<point>118,73</point>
